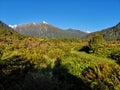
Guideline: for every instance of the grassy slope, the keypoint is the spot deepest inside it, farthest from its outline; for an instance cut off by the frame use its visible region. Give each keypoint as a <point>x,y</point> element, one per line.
<point>35,63</point>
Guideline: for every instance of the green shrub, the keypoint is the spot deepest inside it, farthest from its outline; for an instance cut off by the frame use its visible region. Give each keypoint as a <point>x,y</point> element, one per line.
<point>116,56</point>
<point>1,54</point>
<point>96,43</point>
<point>100,77</point>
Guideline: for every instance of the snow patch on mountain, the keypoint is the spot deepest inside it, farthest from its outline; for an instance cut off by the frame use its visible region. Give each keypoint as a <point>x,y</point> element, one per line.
<point>33,23</point>
<point>44,22</point>
<point>88,32</point>
<point>13,26</point>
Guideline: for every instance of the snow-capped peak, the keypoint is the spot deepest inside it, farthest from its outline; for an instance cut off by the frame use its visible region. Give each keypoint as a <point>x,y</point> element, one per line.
<point>34,23</point>
<point>13,26</point>
<point>44,22</point>
<point>88,31</point>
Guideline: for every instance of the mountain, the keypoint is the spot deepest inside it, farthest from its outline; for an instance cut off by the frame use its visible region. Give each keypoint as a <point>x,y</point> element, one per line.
<point>5,26</point>
<point>46,30</point>
<point>112,33</point>
<point>8,34</point>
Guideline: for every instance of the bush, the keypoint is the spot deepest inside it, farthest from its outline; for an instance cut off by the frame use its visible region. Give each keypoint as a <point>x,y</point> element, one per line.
<point>100,78</point>
<point>116,56</point>
<point>1,54</point>
<point>96,43</point>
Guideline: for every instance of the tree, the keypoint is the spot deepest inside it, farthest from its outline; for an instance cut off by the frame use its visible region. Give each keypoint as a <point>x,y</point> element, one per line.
<point>96,42</point>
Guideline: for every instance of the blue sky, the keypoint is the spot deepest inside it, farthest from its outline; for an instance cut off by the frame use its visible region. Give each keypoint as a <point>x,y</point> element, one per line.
<point>86,15</point>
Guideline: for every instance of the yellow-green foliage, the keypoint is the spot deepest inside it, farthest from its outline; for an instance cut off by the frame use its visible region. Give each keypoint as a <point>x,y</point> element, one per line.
<point>55,64</point>
<point>97,42</point>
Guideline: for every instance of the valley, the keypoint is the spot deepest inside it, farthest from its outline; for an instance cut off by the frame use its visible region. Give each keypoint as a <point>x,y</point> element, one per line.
<point>58,63</point>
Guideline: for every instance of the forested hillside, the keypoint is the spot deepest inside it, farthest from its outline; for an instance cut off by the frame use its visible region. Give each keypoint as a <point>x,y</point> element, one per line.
<point>30,63</point>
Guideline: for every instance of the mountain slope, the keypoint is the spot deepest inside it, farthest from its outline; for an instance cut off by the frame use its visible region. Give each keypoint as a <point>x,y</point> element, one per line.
<point>5,26</point>
<point>47,31</point>
<point>7,34</point>
<point>112,33</point>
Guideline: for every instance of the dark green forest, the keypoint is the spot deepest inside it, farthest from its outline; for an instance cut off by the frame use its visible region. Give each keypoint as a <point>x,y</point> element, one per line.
<point>30,63</point>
